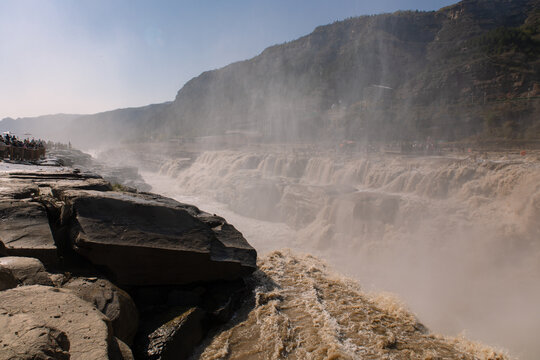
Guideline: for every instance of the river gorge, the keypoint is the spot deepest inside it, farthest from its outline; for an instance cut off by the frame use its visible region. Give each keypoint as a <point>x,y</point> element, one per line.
<point>452,236</point>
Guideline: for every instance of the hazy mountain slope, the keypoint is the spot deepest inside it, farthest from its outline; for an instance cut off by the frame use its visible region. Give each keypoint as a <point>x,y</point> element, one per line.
<point>46,127</point>
<point>133,124</point>
<point>89,131</point>
<point>407,74</point>
<point>467,69</point>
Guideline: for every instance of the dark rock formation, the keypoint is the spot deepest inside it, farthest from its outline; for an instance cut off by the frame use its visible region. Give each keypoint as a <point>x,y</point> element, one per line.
<point>171,256</point>
<point>3,250</point>
<point>173,334</point>
<point>144,241</point>
<point>139,238</point>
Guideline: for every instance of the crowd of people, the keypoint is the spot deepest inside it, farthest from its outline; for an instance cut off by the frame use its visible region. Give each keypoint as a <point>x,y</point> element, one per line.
<point>14,148</point>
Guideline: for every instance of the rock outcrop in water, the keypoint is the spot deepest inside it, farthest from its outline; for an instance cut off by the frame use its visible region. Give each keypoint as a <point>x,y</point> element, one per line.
<point>65,234</point>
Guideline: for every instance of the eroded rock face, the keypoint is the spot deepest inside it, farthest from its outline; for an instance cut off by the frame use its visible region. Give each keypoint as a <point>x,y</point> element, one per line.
<point>27,271</point>
<point>53,312</point>
<point>24,229</point>
<point>143,240</point>
<point>178,261</point>
<point>111,301</point>
<point>24,337</point>
<point>139,238</point>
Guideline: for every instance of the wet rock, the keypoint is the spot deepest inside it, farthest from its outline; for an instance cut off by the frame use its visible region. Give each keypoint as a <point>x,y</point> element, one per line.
<point>27,271</point>
<point>7,280</point>
<point>25,231</point>
<point>173,335</point>
<point>111,301</point>
<point>144,241</point>
<point>24,337</point>
<point>54,311</point>
<point>222,299</point>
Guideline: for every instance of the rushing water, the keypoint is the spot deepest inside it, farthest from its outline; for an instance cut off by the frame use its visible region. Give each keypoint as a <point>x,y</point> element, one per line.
<point>456,239</point>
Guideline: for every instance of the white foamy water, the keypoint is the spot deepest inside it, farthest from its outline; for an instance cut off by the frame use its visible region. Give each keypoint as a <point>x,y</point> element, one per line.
<point>456,239</point>
<point>301,310</point>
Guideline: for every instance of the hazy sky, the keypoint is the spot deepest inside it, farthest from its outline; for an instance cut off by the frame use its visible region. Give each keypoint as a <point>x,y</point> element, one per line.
<point>86,56</point>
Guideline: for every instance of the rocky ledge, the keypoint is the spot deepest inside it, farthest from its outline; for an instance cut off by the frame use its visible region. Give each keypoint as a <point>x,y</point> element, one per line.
<point>87,272</point>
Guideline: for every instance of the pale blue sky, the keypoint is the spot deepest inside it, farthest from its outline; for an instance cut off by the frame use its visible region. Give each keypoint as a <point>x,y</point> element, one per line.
<point>86,56</point>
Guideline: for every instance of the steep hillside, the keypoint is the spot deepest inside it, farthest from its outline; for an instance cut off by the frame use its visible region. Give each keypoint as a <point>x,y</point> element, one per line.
<point>393,76</point>
<point>472,68</point>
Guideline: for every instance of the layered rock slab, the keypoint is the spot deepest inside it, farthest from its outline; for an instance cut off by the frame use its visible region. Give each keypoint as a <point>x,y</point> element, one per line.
<point>25,230</point>
<point>24,221</point>
<point>143,239</point>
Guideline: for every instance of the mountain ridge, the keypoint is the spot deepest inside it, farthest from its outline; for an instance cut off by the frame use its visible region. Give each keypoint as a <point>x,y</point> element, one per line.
<point>469,69</point>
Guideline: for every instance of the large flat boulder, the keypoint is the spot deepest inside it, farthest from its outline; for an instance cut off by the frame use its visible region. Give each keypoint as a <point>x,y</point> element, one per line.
<point>26,184</point>
<point>25,230</point>
<point>13,188</point>
<point>65,323</point>
<point>143,239</point>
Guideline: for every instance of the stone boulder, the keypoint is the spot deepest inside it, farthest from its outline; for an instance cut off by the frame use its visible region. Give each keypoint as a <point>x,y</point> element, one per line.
<point>27,271</point>
<point>111,301</point>
<point>7,280</point>
<point>143,239</point>
<point>25,230</point>
<point>66,325</point>
<point>172,335</point>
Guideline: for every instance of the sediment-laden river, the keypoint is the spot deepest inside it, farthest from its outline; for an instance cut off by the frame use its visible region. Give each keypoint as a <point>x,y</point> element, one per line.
<point>456,238</point>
